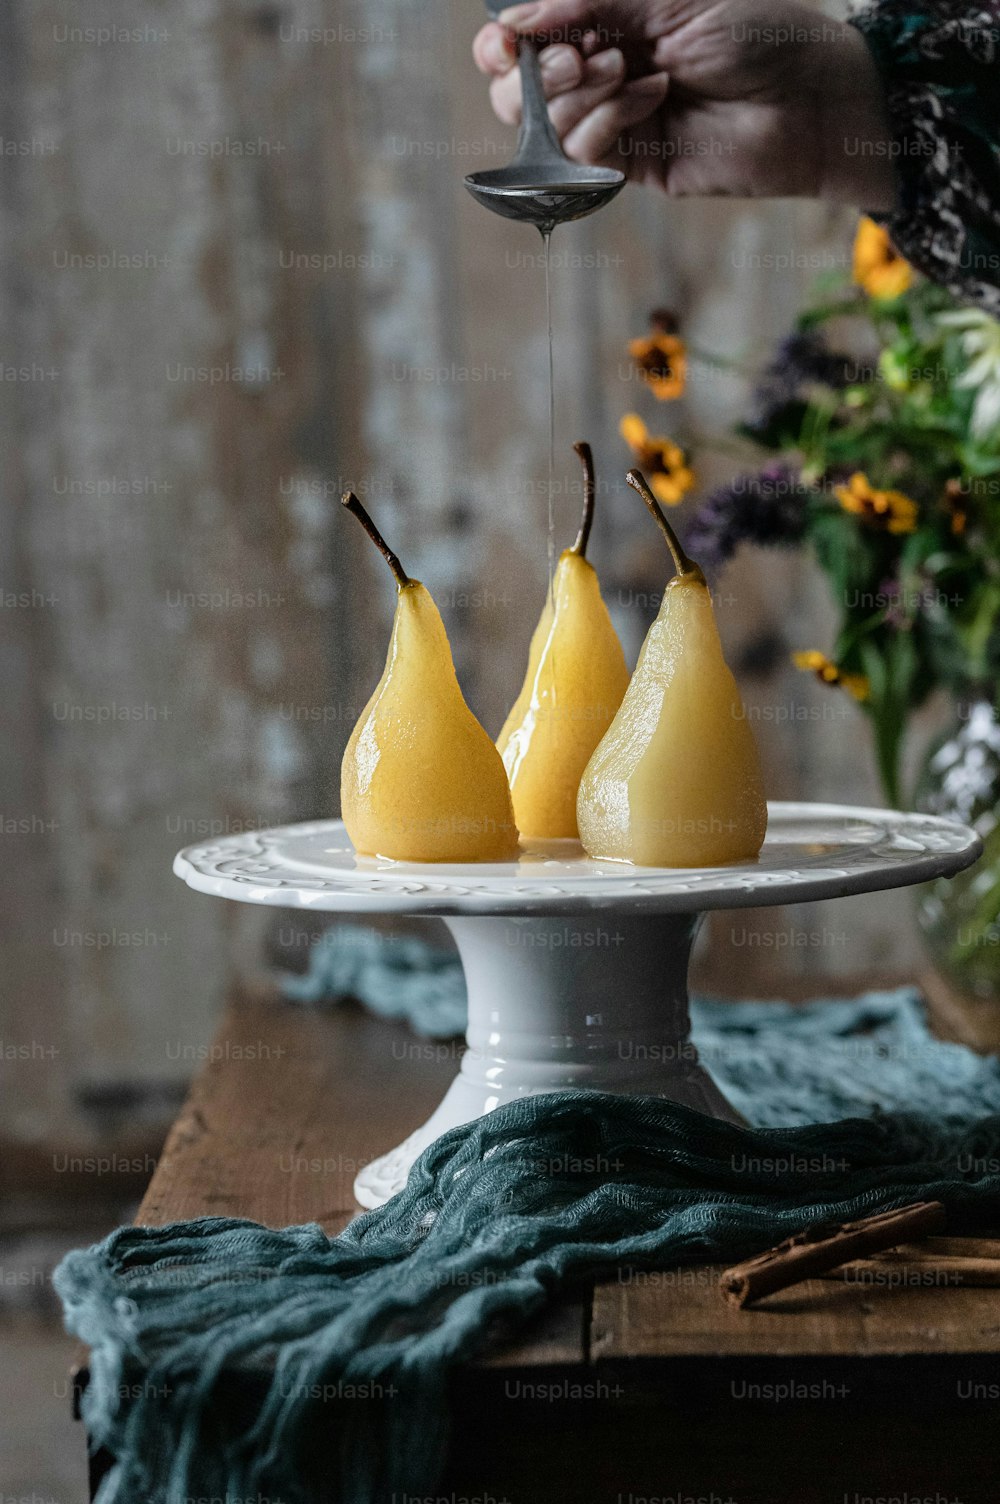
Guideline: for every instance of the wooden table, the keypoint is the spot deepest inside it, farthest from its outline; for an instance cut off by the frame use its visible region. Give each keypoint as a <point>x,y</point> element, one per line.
<point>648,1387</point>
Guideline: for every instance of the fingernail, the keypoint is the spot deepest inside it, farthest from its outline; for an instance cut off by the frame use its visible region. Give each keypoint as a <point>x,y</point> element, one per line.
<point>560,65</point>
<point>519,15</point>
<point>498,49</point>
<point>649,83</point>
<point>606,64</point>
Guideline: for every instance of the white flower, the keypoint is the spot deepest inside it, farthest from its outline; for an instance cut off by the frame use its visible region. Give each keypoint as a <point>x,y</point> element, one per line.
<point>980,339</point>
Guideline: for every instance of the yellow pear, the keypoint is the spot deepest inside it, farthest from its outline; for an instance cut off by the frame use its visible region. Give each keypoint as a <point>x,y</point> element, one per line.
<point>420,780</point>
<point>676,782</point>
<point>574,684</point>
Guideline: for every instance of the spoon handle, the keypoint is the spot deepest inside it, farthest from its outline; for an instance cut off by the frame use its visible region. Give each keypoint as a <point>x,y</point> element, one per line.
<point>536,140</point>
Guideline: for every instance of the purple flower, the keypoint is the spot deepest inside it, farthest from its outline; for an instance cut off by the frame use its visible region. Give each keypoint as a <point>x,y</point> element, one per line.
<point>800,360</point>
<point>767,508</point>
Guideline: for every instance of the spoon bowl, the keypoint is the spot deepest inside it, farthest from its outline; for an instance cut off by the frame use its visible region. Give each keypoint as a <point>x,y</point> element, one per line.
<point>545,195</point>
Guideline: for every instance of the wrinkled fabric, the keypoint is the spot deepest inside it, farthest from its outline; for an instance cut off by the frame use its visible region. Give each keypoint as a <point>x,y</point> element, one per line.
<point>395,976</point>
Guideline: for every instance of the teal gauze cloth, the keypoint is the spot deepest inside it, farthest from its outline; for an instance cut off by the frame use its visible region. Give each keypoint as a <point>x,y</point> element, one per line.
<point>855,1108</point>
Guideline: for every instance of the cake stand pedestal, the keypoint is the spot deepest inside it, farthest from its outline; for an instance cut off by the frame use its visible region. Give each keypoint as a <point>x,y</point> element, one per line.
<point>576,969</point>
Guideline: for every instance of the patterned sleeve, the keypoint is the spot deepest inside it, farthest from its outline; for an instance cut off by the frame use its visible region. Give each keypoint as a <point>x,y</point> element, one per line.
<point>940,63</point>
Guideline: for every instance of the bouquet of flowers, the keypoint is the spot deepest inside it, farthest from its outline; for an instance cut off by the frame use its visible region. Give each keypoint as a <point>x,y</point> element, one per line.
<point>886,464</point>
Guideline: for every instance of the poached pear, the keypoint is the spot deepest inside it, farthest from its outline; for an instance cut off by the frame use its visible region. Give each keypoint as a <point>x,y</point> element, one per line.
<point>574,683</point>
<point>420,780</point>
<point>676,782</point>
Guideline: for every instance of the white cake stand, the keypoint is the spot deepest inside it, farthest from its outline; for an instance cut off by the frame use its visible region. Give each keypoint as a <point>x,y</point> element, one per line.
<point>576,970</point>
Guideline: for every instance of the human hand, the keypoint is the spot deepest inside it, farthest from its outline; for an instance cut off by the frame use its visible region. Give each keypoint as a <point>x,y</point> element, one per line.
<point>744,97</point>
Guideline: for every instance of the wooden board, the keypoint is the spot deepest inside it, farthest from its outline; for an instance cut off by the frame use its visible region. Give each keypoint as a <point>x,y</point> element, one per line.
<point>680,1313</point>
<point>290,1105</point>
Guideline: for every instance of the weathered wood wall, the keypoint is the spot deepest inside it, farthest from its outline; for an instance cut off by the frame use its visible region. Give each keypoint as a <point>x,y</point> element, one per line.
<point>239,271</point>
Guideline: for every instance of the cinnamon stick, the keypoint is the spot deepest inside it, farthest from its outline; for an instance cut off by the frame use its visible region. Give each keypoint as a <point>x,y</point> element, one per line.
<point>973,1262</point>
<point>817,1249</point>
<point>956,1247</point>
<point>974,1274</point>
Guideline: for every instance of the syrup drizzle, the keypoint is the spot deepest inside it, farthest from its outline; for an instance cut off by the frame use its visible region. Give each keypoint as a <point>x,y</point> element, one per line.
<point>551,549</point>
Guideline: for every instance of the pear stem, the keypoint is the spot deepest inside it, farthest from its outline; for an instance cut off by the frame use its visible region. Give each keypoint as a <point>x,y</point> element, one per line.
<point>353,505</point>
<point>685,567</point>
<point>583,537</point>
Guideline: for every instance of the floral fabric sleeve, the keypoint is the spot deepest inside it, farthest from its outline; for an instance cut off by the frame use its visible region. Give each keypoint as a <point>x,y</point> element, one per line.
<point>940,63</point>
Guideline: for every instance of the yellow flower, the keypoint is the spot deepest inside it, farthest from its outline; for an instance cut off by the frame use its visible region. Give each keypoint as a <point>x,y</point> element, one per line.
<point>664,461</point>
<point>878,266</point>
<point>889,509</point>
<point>827,672</point>
<point>662,361</point>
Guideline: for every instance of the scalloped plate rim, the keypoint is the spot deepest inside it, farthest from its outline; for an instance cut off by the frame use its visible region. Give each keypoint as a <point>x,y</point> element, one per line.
<point>268,878</point>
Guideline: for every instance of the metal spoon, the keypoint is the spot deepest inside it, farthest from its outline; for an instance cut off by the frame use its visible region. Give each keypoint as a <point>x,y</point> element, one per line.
<point>541,185</point>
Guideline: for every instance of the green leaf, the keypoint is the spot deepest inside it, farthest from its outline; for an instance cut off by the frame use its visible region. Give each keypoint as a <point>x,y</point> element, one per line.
<point>855,558</point>
<point>891,665</point>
